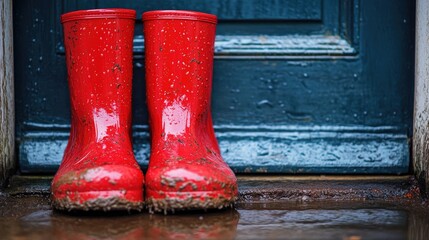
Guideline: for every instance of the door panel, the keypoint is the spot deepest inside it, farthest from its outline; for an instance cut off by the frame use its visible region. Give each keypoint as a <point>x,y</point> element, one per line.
<point>320,86</point>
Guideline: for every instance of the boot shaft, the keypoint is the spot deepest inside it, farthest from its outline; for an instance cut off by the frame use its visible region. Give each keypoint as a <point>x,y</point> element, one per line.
<point>98,47</point>
<point>179,49</point>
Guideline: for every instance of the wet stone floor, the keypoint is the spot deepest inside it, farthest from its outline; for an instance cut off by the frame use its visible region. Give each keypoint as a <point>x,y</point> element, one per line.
<point>25,213</point>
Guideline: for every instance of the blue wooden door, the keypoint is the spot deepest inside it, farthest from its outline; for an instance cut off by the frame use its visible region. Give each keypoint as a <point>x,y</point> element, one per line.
<point>315,86</point>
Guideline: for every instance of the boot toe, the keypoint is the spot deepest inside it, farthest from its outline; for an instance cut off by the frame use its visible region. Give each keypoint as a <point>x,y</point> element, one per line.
<point>192,178</point>
<point>190,187</point>
<point>103,187</point>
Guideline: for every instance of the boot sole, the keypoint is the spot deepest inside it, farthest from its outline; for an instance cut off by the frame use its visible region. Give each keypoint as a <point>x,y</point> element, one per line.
<point>179,201</point>
<point>114,200</point>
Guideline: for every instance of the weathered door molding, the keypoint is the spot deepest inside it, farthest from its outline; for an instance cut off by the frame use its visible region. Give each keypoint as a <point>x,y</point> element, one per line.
<point>324,86</point>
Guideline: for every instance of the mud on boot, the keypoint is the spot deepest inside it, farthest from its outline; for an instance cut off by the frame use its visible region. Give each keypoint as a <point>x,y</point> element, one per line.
<point>98,170</point>
<point>186,169</point>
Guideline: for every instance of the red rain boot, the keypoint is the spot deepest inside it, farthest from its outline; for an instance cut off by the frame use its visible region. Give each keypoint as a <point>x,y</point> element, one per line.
<point>186,170</point>
<point>99,171</point>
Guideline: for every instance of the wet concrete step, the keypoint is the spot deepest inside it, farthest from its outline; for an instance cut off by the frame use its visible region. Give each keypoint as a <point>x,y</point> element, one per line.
<point>31,217</point>
<point>270,207</point>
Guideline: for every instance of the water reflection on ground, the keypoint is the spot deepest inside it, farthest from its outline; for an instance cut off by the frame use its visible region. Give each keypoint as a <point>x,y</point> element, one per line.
<point>30,217</point>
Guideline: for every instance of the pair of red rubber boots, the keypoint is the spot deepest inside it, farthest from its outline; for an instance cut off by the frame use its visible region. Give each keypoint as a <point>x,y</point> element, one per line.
<point>99,170</point>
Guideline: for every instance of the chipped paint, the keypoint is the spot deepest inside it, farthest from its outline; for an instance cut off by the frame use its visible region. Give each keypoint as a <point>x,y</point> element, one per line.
<point>421,96</point>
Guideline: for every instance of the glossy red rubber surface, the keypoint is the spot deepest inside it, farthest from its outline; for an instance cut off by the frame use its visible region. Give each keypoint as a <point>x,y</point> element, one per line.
<point>186,169</point>
<point>99,170</point>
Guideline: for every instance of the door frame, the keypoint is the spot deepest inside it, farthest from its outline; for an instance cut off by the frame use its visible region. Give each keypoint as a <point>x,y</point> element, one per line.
<point>7,100</point>
<point>420,153</point>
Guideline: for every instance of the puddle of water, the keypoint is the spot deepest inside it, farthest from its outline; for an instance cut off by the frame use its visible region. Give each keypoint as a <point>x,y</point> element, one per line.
<point>32,218</point>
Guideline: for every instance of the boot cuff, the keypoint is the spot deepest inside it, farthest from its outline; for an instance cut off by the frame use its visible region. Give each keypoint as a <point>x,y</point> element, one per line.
<point>179,15</point>
<point>98,13</point>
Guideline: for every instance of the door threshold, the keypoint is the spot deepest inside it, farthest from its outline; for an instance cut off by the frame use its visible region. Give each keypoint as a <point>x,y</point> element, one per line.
<point>266,188</point>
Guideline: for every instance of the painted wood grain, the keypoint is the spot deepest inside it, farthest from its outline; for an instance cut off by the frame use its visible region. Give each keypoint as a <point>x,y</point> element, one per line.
<point>7,112</point>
